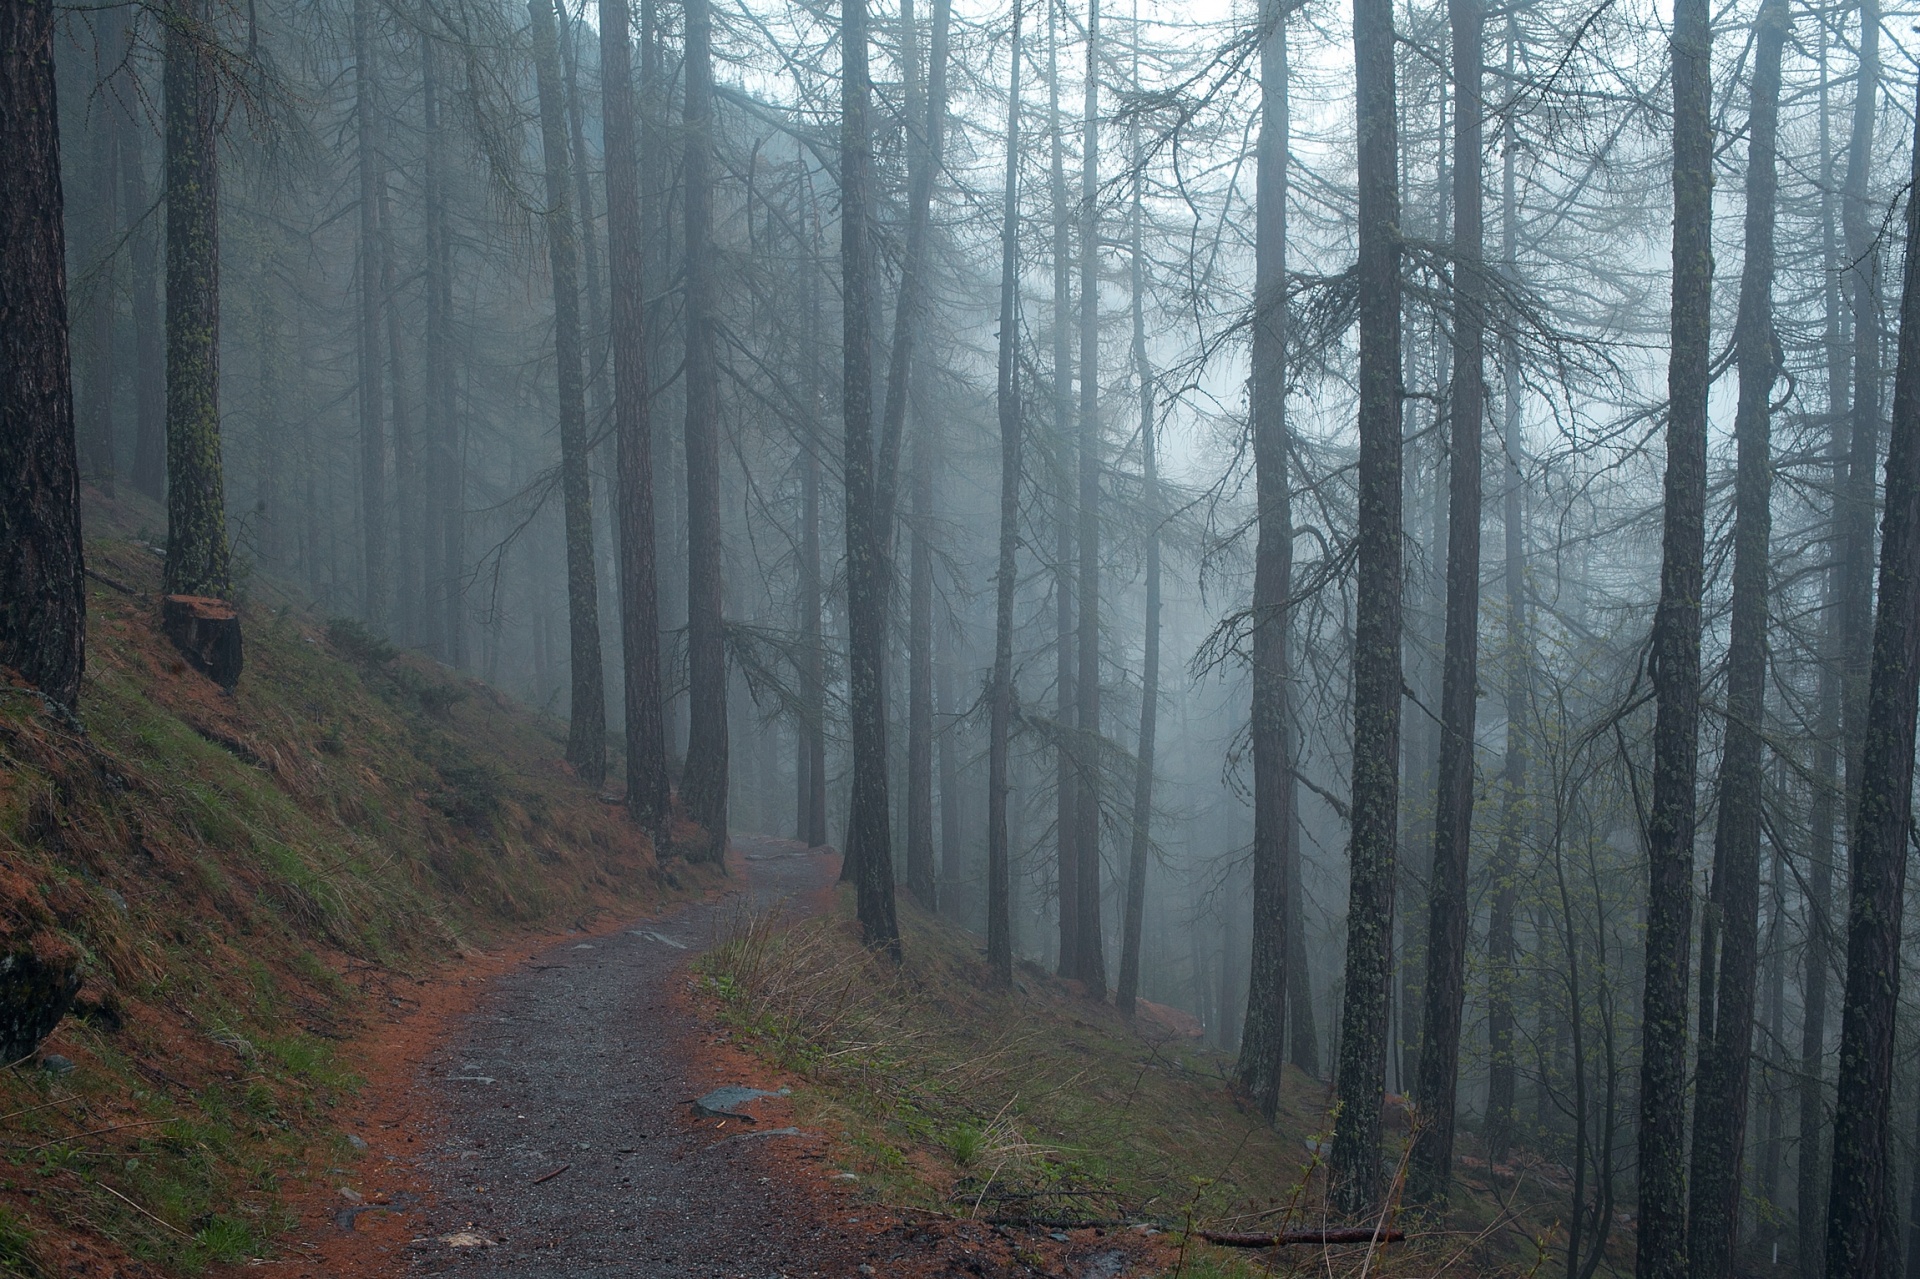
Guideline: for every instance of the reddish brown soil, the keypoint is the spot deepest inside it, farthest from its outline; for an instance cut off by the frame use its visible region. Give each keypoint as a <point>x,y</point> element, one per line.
<point>528,1112</point>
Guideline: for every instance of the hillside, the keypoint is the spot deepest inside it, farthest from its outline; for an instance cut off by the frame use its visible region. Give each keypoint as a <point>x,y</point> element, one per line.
<point>239,880</point>
<point>1036,1109</point>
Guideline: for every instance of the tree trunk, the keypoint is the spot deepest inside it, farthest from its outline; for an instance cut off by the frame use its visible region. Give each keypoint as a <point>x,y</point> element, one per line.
<point>812,765</point>
<point>1731,926</point>
<point>648,798</point>
<point>1862,1238</point>
<point>1142,842</point>
<point>954,900</point>
<point>442,427</point>
<point>1006,575</point>
<point>149,357</point>
<point>1090,965</point>
<point>42,566</point>
<point>920,870</point>
<point>373,440</point>
<point>1438,1073</point>
<point>406,482</point>
<point>197,553</point>
<point>1674,663</point>
<point>703,786</point>
<point>869,850</point>
<point>1067,826</point>
<point>1355,1161</point>
<point>96,414</point>
<point>587,729</point>
<point>1262,1043</point>
<point>1519,663</point>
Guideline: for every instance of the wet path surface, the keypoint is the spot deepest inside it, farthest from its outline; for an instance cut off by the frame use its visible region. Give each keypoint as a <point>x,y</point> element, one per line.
<point>560,1141</point>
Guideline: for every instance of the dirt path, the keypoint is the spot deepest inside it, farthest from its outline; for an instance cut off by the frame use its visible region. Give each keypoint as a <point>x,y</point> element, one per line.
<point>582,1058</point>
<point>548,1132</point>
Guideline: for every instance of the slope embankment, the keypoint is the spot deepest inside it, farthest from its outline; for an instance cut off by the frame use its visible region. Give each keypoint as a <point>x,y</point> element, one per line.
<point>237,883</point>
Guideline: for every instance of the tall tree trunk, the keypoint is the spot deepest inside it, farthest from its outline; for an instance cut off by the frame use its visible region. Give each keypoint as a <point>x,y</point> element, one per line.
<point>1262,1044</point>
<point>1732,922</point>
<point>406,482</point>
<point>648,800</point>
<point>812,768</point>
<point>1674,663</point>
<point>1361,1081</point>
<point>373,438</point>
<point>1862,1236</point>
<point>1090,966</point>
<point>596,334</point>
<point>197,553</point>
<point>1438,1073</point>
<point>43,603</point>
<point>1006,574</point>
<point>703,786</point>
<point>953,871</point>
<point>1861,280</point>
<point>869,850</point>
<point>96,416</point>
<point>1142,841</point>
<point>1067,826</point>
<point>920,872</point>
<point>149,335</point>
<point>1518,666</point>
<point>1303,1032</point>
<point>443,424</point>
<point>587,729</point>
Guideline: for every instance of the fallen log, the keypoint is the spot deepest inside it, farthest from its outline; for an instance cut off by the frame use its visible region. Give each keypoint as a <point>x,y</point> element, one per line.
<point>1341,1234</point>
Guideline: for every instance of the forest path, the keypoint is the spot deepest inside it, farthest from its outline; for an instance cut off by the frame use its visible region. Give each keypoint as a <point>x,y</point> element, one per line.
<point>584,1059</point>
<point>547,1131</point>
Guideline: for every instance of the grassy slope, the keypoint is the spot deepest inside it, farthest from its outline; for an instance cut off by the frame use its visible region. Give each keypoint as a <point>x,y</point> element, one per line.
<point>240,875</point>
<point>946,1096</point>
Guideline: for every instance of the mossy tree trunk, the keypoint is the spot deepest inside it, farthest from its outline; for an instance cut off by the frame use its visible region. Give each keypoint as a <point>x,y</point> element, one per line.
<point>42,569</point>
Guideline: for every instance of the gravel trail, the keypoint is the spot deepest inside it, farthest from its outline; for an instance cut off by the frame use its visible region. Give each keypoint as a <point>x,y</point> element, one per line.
<point>560,1141</point>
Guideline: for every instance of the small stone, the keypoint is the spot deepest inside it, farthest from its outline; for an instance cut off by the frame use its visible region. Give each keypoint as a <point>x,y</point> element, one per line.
<point>351,1196</point>
<point>355,1140</point>
<point>55,1064</point>
<point>866,1269</point>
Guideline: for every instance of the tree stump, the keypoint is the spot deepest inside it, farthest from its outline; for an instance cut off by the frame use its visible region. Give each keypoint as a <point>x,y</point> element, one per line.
<point>207,633</point>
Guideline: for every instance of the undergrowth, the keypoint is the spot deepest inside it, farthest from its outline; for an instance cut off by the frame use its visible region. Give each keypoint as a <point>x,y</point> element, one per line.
<point>241,878</point>
<point>1038,1108</point>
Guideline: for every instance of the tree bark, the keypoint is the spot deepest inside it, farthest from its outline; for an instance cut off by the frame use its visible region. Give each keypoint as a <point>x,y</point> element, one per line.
<point>1674,662</point>
<point>812,765</point>
<point>1006,574</point>
<point>96,412</point>
<point>1518,668</point>
<point>1729,935</point>
<point>149,330</point>
<point>1862,1237</point>
<point>1067,826</point>
<point>869,850</point>
<point>442,427</point>
<point>42,563</point>
<point>587,728</point>
<point>1355,1160</point>
<point>1142,824</point>
<point>648,797</point>
<point>1090,964</point>
<point>703,785</point>
<point>372,402</point>
<point>1437,1076</point>
<point>198,560</point>
<point>1262,1043</point>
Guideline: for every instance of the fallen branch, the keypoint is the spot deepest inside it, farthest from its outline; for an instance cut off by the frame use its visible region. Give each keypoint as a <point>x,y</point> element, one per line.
<point>1343,1234</point>
<point>549,1176</point>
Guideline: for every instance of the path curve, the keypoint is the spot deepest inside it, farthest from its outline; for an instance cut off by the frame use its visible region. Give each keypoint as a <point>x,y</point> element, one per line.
<point>579,1060</point>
